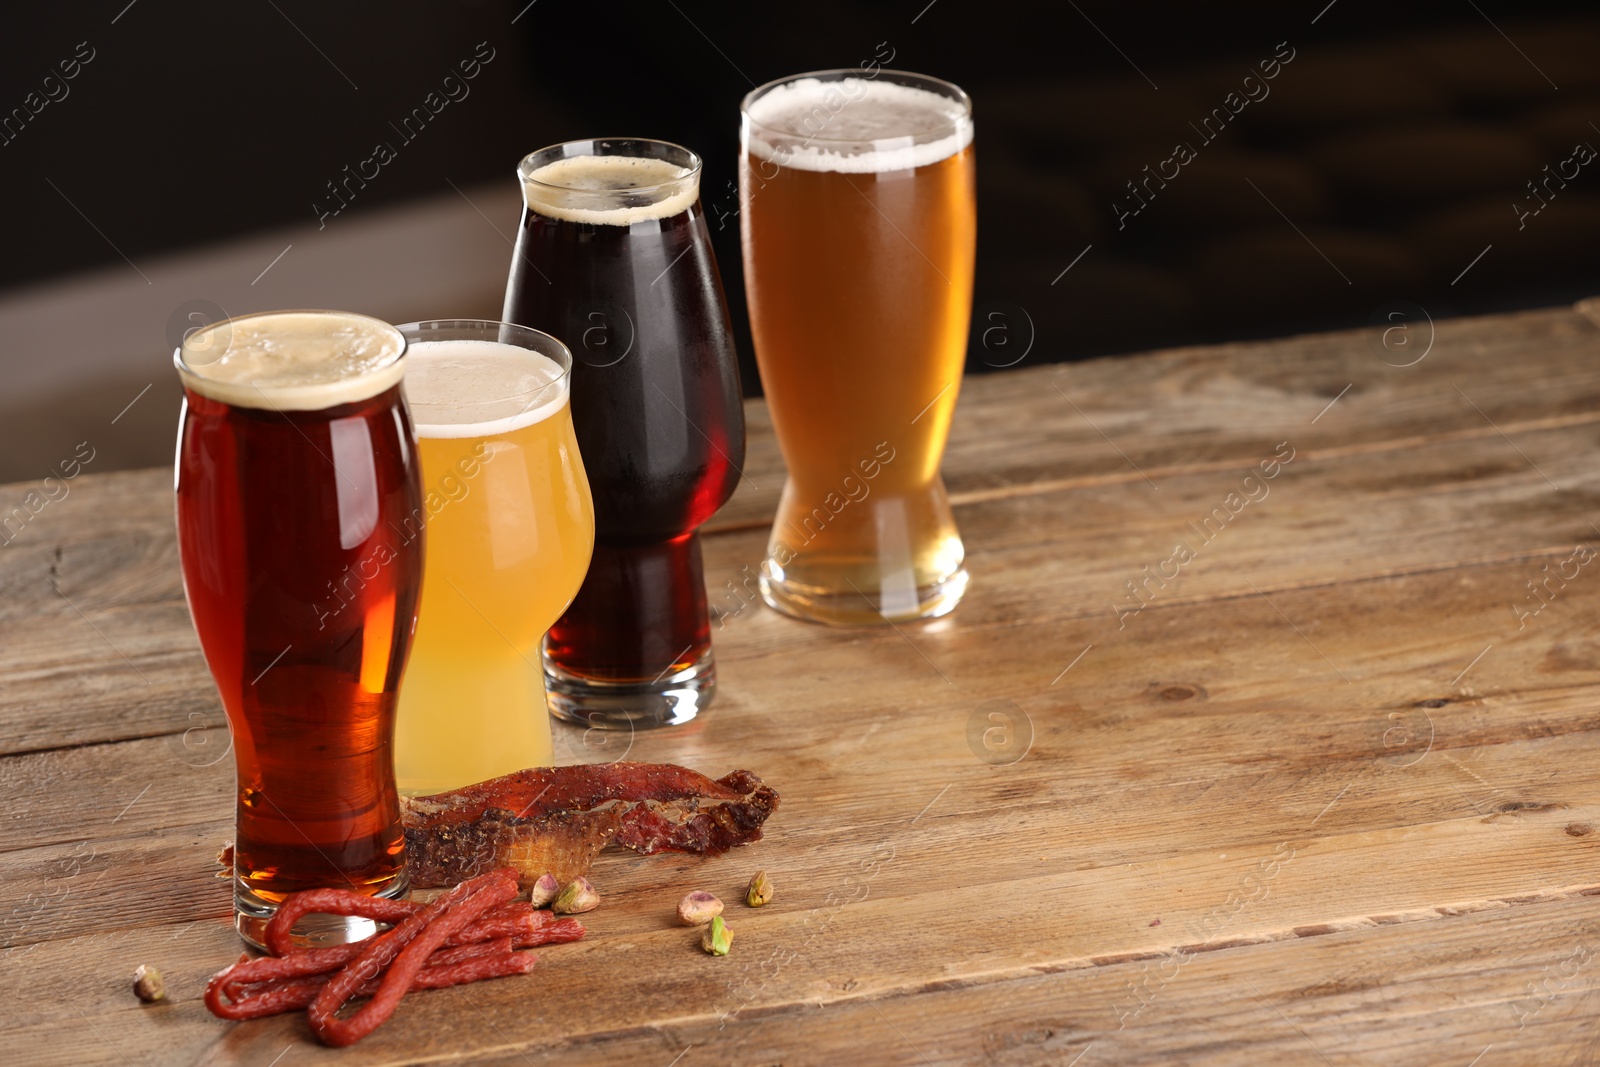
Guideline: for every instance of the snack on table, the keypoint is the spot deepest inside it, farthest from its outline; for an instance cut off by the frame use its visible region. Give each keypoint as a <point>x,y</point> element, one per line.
<point>578,896</point>
<point>557,819</point>
<point>698,907</point>
<point>541,826</point>
<point>467,934</point>
<point>717,938</point>
<point>760,891</point>
<point>544,890</point>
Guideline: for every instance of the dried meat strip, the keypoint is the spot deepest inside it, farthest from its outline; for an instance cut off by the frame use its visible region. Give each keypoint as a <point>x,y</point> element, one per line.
<point>557,819</point>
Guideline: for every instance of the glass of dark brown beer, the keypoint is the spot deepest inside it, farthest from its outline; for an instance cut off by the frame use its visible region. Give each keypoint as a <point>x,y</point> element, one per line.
<point>297,473</point>
<point>858,223</point>
<point>613,257</point>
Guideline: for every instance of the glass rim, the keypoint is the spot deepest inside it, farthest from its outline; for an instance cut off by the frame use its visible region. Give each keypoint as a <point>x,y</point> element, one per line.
<point>948,89</point>
<point>233,320</point>
<point>524,169</point>
<point>492,330</point>
<point>370,381</point>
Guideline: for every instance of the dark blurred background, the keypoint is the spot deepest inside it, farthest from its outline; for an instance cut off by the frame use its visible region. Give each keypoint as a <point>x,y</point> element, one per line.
<point>1390,149</point>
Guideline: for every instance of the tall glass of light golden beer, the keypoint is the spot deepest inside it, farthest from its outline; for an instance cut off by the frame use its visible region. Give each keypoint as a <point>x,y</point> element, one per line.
<point>510,527</point>
<point>859,229</point>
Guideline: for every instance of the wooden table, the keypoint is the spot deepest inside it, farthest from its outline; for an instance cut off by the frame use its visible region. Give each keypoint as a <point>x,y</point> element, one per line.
<point>1328,797</point>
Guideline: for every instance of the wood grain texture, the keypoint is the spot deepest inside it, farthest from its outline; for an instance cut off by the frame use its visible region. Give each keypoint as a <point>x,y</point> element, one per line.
<point>1328,795</point>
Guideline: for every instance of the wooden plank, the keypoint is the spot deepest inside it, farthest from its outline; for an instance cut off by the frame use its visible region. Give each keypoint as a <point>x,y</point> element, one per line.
<point>121,789</point>
<point>1220,406</point>
<point>1465,612</point>
<point>1449,992</point>
<point>654,974</point>
<point>95,638</point>
<point>117,657</point>
<point>109,543</point>
<point>1171,823</point>
<point>1328,730</point>
<point>757,644</point>
<point>1324,519</point>
<point>1026,816</point>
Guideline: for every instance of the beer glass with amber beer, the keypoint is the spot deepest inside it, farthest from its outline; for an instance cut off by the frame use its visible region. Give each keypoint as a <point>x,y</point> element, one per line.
<point>510,528</point>
<point>295,467</point>
<point>859,226</point>
<point>613,257</point>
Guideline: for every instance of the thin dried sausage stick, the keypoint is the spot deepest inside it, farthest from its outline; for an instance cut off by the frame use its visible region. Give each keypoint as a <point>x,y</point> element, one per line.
<point>517,920</point>
<point>253,1000</point>
<point>291,994</point>
<point>403,950</point>
<point>269,975</point>
<point>297,906</point>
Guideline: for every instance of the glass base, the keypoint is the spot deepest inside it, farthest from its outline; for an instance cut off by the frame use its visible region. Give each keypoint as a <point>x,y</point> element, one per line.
<point>858,607</point>
<point>670,700</point>
<point>251,914</point>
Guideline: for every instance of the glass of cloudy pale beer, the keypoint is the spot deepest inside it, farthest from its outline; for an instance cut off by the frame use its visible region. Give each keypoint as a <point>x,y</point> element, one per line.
<point>858,223</point>
<point>613,256</point>
<point>295,469</point>
<point>510,529</point>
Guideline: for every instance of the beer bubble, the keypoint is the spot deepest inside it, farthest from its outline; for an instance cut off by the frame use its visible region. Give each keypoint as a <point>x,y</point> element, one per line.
<point>1402,333</point>
<point>204,742</point>
<point>1002,334</point>
<point>999,732</point>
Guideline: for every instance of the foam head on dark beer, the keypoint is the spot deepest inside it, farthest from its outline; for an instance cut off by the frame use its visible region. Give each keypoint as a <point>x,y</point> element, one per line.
<point>292,360</point>
<point>610,190</point>
<point>855,125</point>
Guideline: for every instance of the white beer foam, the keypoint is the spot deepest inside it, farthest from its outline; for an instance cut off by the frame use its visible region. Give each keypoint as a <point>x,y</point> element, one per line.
<point>855,126</point>
<point>480,388</point>
<point>292,360</point>
<point>610,190</point>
